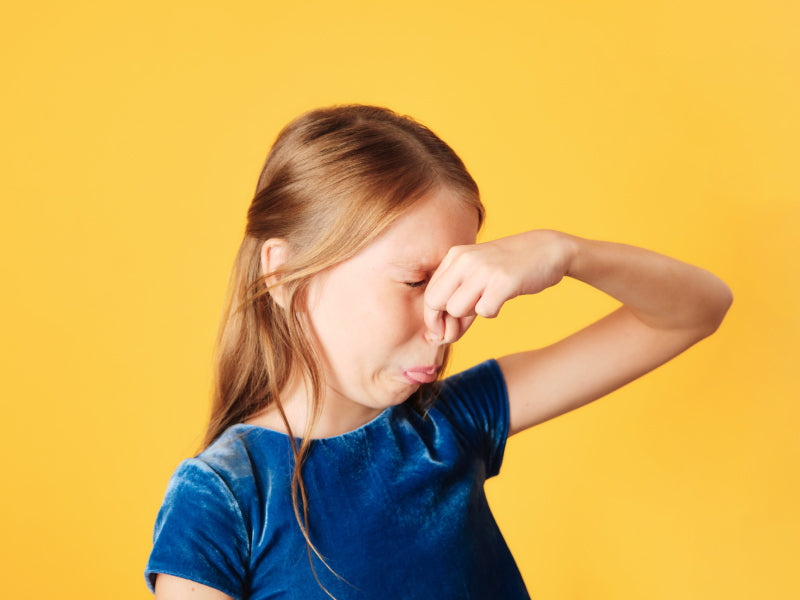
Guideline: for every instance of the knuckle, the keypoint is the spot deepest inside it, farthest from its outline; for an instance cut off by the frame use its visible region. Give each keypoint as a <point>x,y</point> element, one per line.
<point>452,254</point>
<point>434,301</point>
<point>502,278</point>
<point>469,259</point>
<point>456,309</point>
<point>505,284</point>
<point>452,330</point>
<point>487,310</point>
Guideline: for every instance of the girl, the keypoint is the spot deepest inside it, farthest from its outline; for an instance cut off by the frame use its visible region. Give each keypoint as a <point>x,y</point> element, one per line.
<point>358,269</point>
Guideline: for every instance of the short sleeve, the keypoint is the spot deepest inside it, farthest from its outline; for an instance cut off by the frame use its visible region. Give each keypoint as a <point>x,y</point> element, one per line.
<point>475,401</point>
<point>200,533</point>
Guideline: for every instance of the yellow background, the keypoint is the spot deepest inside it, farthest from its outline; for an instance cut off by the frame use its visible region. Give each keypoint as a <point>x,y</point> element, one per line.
<point>132,136</point>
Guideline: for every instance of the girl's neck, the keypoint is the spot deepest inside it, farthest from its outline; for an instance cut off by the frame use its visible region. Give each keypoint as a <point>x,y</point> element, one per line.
<point>338,415</point>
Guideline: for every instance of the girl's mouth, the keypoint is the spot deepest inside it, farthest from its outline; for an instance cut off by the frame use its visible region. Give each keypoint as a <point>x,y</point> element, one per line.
<point>420,375</point>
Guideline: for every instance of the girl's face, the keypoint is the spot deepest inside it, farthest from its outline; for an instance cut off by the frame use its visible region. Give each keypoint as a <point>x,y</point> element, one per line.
<point>367,312</point>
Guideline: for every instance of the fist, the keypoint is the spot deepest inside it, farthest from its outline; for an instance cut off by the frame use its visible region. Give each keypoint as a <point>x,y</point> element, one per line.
<point>478,279</point>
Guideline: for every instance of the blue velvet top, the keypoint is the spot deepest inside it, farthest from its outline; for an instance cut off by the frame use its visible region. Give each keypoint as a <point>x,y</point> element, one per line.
<point>396,507</point>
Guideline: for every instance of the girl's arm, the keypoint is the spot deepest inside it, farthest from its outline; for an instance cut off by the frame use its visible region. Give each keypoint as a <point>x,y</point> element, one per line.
<point>169,587</point>
<point>667,306</point>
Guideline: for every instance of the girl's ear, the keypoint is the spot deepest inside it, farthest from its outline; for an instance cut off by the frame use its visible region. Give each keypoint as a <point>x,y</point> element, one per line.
<point>274,253</point>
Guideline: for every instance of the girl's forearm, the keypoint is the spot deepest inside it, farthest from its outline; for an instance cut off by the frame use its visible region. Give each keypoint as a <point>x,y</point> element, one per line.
<point>663,292</point>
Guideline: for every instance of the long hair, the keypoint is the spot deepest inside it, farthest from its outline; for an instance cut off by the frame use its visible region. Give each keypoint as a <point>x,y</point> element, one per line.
<point>334,179</point>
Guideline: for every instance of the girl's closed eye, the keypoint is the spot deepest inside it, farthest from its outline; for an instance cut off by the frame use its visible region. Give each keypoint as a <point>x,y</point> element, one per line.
<point>416,284</point>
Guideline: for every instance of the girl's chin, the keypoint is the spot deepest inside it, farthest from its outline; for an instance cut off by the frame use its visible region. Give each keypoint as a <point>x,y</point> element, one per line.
<point>401,391</point>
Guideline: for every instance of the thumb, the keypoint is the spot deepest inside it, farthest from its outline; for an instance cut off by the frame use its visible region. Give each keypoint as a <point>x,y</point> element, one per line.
<point>465,323</point>
<point>455,327</point>
<point>435,322</point>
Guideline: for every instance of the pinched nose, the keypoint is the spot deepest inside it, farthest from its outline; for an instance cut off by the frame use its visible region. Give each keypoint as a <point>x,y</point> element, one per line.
<point>433,338</point>
<point>446,329</point>
<point>436,325</point>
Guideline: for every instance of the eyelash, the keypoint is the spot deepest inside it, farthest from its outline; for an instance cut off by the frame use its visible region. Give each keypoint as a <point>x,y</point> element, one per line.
<point>416,284</point>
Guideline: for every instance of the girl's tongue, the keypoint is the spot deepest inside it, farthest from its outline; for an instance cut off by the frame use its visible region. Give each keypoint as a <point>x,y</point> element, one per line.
<point>421,374</point>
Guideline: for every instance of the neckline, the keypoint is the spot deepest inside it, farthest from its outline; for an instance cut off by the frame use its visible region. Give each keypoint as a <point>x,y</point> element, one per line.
<point>380,416</point>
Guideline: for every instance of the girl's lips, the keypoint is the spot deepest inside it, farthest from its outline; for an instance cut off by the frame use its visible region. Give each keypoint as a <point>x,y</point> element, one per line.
<point>421,374</point>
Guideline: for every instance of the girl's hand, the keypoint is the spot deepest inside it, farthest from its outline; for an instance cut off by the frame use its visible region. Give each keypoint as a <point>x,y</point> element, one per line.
<point>667,305</point>
<point>478,279</point>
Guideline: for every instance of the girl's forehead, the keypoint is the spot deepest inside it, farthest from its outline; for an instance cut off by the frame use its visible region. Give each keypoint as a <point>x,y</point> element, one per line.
<point>420,237</point>
<point>425,248</point>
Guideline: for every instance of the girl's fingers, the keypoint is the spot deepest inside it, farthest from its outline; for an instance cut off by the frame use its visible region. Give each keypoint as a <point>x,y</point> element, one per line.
<point>494,296</point>
<point>465,324</point>
<point>453,269</point>
<point>452,329</point>
<point>435,322</point>
<point>439,291</point>
<point>463,286</point>
<point>463,300</point>
<point>443,266</point>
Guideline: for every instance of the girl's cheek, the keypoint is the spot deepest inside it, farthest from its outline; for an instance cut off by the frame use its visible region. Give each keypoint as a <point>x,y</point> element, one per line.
<point>402,311</point>
<point>414,313</point>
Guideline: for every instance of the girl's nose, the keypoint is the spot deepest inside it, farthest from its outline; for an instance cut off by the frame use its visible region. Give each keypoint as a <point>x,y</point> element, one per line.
<point>441,328</point>
<point>434,324</point>
<point>445,328</point>
<point>434,338</point>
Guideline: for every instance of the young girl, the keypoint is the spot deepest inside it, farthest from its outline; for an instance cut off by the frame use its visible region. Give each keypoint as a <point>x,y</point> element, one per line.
<point>336,462</point>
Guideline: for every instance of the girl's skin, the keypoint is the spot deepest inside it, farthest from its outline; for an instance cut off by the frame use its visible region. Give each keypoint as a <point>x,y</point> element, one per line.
<point>383,314</point>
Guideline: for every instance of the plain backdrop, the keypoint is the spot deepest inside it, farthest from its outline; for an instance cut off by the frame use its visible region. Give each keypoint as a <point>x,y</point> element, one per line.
<point>132,137</point>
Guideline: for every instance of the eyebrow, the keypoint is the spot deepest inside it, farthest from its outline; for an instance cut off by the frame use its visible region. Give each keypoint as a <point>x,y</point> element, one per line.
<point>416,265</point>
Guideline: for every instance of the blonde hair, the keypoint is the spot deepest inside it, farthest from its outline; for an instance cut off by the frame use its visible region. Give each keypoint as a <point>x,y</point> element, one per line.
<point>333,180</point>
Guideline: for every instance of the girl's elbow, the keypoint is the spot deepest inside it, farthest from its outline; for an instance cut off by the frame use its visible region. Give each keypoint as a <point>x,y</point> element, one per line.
<point>717,307</point>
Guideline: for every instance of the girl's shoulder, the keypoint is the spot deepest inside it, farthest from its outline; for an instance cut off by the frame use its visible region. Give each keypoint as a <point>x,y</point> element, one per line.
<point>231,451</point>
<point>477,389</point>
<point>486,374</point>
<point>236,460</point>
<point>475,404</point>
